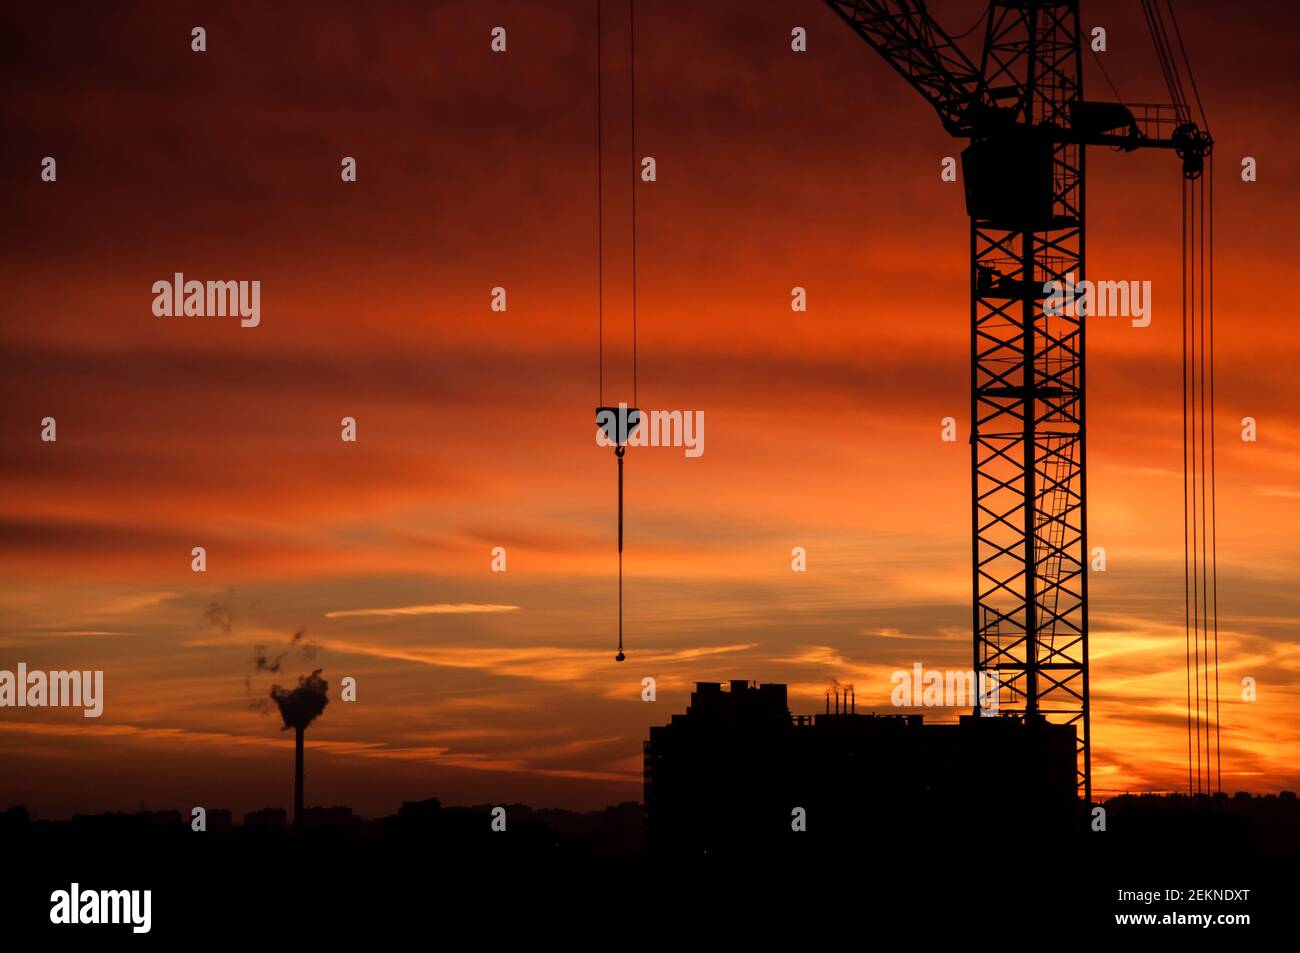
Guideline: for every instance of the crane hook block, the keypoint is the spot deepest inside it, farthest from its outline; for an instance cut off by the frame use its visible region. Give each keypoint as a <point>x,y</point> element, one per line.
<point>617,424</point>
<point>1192,145</point>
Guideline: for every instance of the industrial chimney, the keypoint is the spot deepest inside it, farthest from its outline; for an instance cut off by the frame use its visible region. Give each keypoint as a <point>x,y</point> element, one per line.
<point>298,732</point>
<point>299,707</point>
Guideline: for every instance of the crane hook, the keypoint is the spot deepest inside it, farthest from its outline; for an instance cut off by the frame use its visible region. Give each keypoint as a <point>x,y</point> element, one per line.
<point>617,425</point>
<point>619,450</point>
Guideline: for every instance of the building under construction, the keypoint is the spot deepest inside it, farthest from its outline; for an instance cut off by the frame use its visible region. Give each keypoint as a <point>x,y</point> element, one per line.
<point>736,767</point>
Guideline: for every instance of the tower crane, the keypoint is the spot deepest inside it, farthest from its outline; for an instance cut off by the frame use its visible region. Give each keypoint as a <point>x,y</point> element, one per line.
<point>1023,110</point>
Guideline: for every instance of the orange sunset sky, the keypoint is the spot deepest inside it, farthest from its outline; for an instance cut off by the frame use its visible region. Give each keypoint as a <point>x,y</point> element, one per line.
<point>475,428</point>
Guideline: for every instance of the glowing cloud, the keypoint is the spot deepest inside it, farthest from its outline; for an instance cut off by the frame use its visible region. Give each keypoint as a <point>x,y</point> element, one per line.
<point>443,608</point>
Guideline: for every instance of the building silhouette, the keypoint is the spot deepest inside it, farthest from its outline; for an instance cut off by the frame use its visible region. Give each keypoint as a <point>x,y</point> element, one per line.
<point>733,770</point>
<point>272,818</point>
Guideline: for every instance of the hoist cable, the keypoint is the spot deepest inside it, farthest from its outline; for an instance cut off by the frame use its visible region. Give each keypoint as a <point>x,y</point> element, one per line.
<point>1200,358</point>
<point>618,452</point>
<point>1187,618</point>
<point>1164,56</point>
<point>600,213</point>
<point>631,33</point>
<point>1214,524</point>
<point>1200,505</point>
<point>1178,33</point>
<point>1101,66</point>
<point>962,36</point>
<point>1171,64</point>
<point>1200,516</point>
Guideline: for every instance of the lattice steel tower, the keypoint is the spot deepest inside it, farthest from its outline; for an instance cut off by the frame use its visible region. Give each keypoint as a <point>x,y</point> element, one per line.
<point>1028,124</point>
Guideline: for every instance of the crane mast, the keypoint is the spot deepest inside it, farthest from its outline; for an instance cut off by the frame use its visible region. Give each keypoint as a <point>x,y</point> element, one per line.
<point>1022,108</point>
<point>1028,486</point>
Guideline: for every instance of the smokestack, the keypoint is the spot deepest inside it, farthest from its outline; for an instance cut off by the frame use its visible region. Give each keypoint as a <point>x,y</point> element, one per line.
<point>828,701</point>
<point>299,707</point>
<point>837,701</point>
<point>297,776</point>
<point>853,694</point>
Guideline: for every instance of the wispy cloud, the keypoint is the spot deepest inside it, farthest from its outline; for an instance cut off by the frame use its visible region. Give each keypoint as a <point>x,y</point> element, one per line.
<point>551,663</point>
<point>418,754</point>
<point>441,608</point>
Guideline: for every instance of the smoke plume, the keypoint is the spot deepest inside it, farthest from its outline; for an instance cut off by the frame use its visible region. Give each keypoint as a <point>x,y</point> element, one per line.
<point>300,706</point>
<point>218,615</point>
<point>264,660</point>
